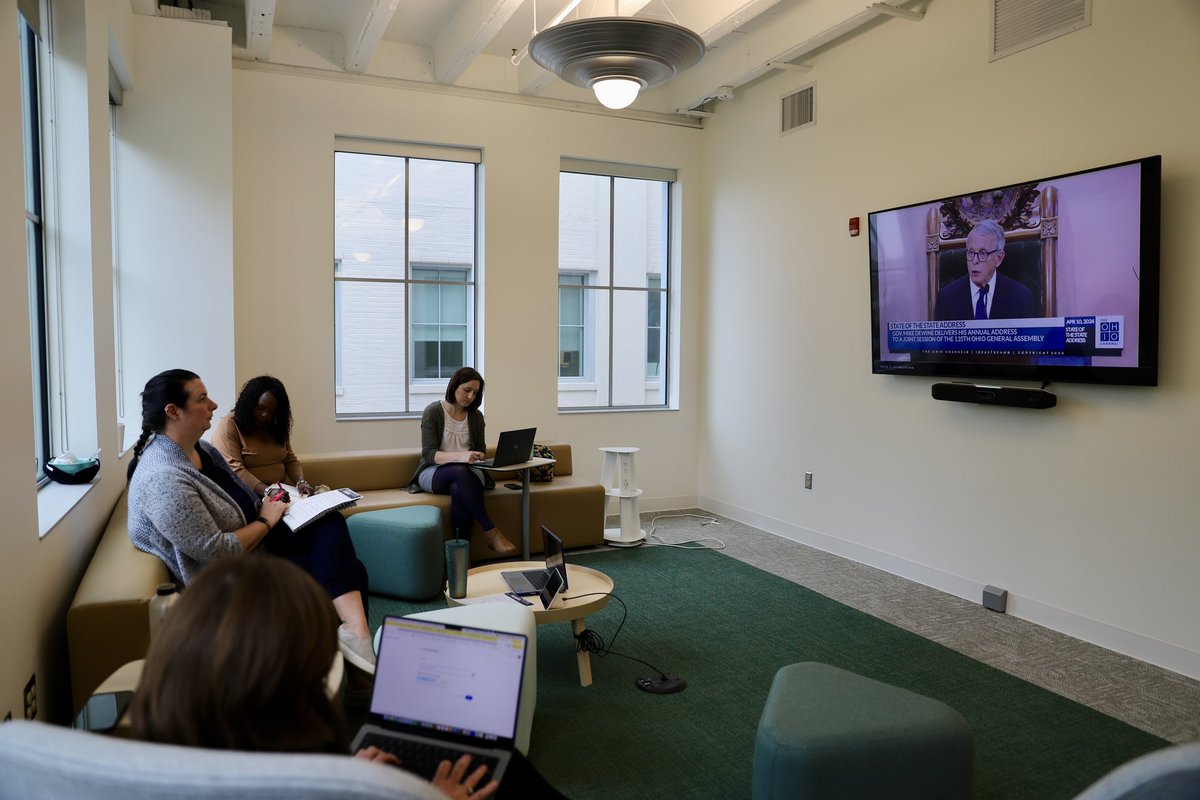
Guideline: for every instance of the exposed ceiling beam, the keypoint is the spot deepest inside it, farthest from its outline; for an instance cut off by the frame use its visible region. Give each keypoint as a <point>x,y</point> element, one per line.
<point>364,30</point>
<point>468,34</point>
<point>260,19</point>
<point>787,65</point>
<point>714,21</point>
<point>899,13</point>
<point>743,58</point>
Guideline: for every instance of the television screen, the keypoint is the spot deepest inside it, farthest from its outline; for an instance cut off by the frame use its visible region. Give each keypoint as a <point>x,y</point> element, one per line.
<point>1052,280</point>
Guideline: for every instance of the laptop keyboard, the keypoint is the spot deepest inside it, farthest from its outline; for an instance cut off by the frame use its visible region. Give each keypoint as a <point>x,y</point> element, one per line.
<point>537,578</point>
<point>422,758</point>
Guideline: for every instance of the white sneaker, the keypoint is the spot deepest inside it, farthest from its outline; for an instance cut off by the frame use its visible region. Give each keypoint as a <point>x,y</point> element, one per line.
<point>358,650</point>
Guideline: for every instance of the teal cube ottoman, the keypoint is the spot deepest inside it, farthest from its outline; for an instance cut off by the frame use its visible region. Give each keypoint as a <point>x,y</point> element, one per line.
<point>831,734</point>
<point>402,550</point>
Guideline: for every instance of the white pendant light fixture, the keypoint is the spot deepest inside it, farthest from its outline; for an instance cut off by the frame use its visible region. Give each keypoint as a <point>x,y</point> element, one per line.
<point>616,57</point>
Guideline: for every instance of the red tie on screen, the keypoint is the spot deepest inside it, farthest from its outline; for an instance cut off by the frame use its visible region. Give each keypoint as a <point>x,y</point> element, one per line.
<point>981,303</point>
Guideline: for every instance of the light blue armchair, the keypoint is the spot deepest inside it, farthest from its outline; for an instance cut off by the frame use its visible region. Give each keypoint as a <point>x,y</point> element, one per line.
<point>45,762</point>
<point>1172,773</point>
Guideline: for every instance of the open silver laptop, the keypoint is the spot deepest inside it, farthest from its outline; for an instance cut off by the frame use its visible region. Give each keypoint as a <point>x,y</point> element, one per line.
<point>532,581</point>
<point>442,690</point>
<point>514,447</point>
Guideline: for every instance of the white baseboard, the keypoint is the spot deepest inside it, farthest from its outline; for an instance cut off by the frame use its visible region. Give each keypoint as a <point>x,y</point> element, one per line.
<point>1097,632</point>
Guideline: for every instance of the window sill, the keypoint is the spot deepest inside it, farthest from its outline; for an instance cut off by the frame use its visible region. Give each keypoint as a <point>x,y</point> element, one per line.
<point>612,409</point>
<point>55,501</point>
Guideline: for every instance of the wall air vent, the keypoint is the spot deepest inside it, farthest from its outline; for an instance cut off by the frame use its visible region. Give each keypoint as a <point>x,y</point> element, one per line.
<point>1020,24</point>
<point>796,110</point>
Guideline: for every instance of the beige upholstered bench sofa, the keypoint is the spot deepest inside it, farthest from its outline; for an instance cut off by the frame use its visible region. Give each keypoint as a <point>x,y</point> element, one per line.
<point>107,623</point>
<point>569,505</point>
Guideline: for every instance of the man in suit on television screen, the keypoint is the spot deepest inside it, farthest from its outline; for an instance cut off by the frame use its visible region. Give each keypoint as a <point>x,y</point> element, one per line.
<point>983,293</point>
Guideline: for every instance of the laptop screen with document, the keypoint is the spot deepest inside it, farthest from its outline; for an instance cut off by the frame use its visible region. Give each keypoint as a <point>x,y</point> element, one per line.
<point>450,679</point>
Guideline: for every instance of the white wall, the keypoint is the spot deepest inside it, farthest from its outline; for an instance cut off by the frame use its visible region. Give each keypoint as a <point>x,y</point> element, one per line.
<point>180,154</point>
<point>1085,513</point>
<point>284,129</point>
<point>175,197</point>
<point>38,575</point>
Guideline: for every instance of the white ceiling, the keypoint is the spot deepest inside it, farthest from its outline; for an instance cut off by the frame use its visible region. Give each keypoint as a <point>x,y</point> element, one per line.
<point>470,43</point>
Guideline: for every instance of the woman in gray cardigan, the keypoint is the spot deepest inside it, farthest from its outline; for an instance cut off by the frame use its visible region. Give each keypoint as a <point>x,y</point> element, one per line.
<point>187,507</point>
<point>452,440</point>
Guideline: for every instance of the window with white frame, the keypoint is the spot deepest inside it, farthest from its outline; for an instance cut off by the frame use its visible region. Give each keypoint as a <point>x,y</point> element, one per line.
<point>35,236</point>
<point>115,100</point>
<point>439,314</point>
<point>614,286</point>
<point>572,325</point>
<point>655,332</point>
<point>405,252</point>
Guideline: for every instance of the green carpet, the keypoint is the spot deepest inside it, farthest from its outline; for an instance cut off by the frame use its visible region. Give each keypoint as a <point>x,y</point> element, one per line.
<point>727,627</point>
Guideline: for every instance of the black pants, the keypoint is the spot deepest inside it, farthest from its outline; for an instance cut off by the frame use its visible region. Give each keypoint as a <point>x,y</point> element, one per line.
<point>323,549</point>
<point>522,780</point>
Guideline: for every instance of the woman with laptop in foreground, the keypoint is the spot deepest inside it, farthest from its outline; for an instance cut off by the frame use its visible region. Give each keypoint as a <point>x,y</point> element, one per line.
<point>242,662</point>
<point>452,440</point>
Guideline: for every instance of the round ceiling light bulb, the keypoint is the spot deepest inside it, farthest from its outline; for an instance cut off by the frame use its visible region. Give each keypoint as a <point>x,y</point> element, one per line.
<point>616,93</point>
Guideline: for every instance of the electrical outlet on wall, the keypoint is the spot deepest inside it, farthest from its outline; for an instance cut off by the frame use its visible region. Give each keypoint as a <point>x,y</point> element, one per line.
<point>30,695</point>
<point>808,480</point>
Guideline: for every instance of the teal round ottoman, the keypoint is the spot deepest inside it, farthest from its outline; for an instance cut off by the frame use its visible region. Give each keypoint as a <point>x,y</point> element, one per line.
<point>402,550</point>
<point>831,734</point>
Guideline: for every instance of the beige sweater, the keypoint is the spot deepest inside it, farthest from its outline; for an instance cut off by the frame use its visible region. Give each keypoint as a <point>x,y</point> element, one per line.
<point>256,460</point>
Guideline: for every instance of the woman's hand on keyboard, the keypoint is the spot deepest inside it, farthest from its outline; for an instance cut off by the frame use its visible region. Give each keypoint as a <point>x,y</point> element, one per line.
<point>451,781</point>
<point>375,754</point>
<point>447,778</point>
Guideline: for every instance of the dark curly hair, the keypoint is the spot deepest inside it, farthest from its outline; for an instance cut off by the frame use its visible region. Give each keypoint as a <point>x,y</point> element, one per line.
<point>243,412</point>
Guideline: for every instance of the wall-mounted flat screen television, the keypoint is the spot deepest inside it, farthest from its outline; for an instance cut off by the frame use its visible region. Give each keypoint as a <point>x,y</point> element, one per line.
<point>1050,280</point>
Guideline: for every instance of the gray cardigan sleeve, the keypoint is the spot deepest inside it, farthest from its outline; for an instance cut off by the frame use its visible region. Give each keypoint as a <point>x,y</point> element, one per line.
<point>433,425</point>
<point>178,512</point>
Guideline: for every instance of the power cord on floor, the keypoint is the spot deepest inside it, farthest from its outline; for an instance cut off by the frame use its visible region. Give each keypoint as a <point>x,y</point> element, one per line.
<point>689,544</point>
<point>588,641</point>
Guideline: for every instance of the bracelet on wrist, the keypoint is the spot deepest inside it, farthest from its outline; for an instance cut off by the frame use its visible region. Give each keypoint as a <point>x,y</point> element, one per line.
<point>263,520</point>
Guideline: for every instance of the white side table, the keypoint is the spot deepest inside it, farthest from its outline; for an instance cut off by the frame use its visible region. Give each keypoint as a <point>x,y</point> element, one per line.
<point>620,481</point>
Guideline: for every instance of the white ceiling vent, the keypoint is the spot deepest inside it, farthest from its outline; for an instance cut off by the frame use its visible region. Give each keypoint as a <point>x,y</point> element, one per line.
<point>796,110</point>
<point>1020,24</point>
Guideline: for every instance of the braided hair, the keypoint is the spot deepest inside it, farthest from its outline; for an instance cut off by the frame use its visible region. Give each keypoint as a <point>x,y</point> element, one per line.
<point>165,388</point>
<point>280,429</point>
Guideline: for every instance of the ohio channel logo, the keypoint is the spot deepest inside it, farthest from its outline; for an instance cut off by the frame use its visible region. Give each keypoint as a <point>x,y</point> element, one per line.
<point>1110,332</point>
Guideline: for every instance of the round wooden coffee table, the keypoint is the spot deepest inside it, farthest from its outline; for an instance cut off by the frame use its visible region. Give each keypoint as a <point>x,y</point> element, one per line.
<point>588,593</point>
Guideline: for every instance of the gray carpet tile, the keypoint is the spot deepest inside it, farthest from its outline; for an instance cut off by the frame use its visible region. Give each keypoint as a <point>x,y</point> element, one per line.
<point>1153,699</point>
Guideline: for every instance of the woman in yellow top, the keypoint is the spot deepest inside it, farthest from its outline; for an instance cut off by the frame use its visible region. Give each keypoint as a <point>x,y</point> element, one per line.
<point>255,437</point>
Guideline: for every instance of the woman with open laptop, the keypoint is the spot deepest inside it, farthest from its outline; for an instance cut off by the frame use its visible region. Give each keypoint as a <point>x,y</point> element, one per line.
<point>187,507</point>
<point>243,662</point>
<point>452,440</point>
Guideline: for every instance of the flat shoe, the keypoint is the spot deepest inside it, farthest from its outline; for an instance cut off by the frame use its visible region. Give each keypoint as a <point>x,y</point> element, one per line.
<point>358,650</point>
<point>500,544</point>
